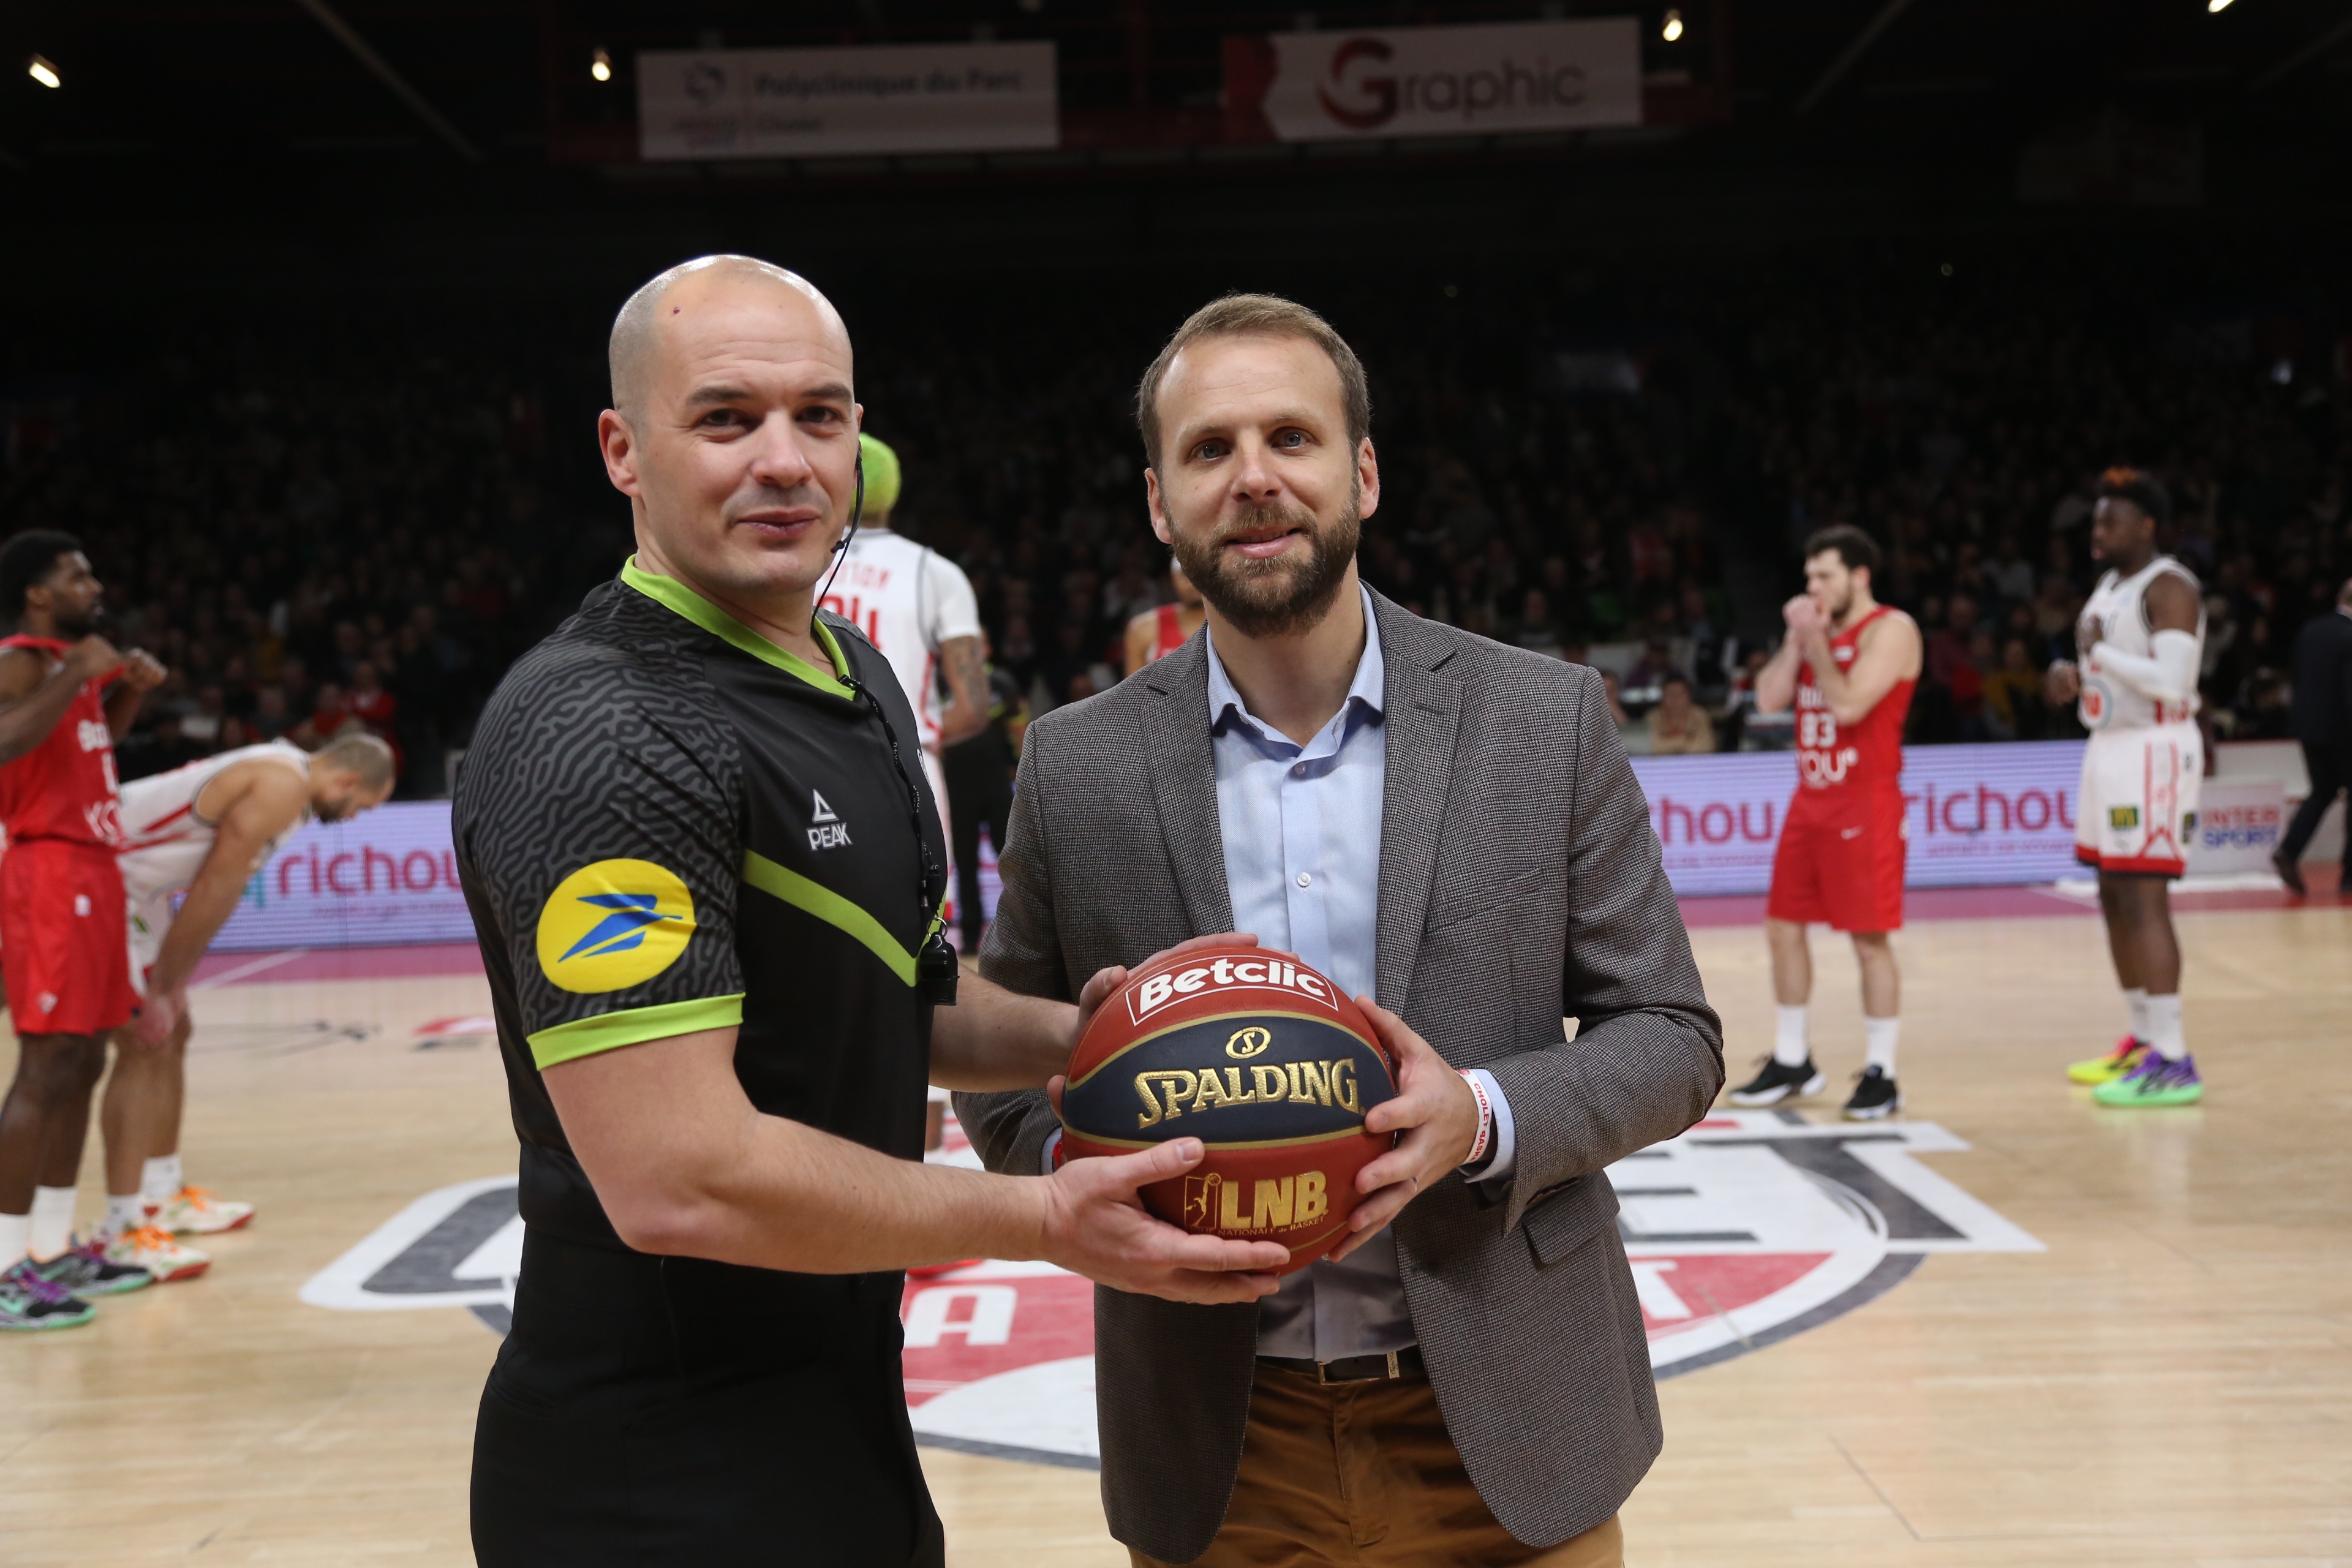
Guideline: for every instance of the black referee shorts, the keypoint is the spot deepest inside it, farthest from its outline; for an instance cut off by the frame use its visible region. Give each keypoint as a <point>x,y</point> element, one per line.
<point>650,1411</point>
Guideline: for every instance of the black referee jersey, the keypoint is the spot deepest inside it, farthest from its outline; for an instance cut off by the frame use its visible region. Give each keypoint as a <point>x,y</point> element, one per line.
<point>666,824</point>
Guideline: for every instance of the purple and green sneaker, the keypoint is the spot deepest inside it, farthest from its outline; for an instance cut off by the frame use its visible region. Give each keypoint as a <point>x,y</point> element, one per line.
<point>2154,1081</point>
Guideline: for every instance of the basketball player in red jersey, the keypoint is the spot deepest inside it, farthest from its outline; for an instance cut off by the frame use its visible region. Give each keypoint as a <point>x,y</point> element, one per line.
<point>1157,633</point>
<point>1850,663</point>
<point>63,951</point>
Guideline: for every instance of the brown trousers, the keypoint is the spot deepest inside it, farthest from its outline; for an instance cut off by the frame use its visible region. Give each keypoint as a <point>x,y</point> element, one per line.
<point>1363,1474</point>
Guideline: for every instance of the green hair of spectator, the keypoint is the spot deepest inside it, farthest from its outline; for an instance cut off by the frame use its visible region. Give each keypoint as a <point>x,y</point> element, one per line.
<point>366,757</point>
<point>883,478</point>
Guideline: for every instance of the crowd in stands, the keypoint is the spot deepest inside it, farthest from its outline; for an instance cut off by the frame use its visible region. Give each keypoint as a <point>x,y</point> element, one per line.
<point>312,545</point>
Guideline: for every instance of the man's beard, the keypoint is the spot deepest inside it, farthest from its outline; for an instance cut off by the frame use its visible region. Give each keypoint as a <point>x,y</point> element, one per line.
<point>79,625</point>
<point>1274,597</point>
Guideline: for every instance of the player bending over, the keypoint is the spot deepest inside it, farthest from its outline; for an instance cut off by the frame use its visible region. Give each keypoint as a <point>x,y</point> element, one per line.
<point>1850,663</point>
<point>202,830</point>
<point>2142,639</point>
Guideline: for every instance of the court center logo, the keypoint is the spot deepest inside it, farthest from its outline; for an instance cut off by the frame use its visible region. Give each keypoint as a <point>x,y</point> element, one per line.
<point>613,925</point>
<point>1748,1229</point>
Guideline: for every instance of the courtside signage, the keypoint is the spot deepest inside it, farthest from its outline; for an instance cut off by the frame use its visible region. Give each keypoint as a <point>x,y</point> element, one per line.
<point>804,103</point>
<point>386,879</point>
<point>1434,81</point>
<point>1976,815</point>
<point>1743,1232</point>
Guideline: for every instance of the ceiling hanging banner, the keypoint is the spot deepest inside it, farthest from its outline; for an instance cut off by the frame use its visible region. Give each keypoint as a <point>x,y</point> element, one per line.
<point>814,103</point>
<point>1434,81</point>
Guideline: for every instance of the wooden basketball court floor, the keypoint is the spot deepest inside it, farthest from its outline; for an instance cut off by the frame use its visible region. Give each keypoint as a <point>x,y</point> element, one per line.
<point>2170,1382</point>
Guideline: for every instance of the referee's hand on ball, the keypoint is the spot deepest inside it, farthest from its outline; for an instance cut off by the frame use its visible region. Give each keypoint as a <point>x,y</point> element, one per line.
<point>1096,1225</point>
<point>1096,1222</point>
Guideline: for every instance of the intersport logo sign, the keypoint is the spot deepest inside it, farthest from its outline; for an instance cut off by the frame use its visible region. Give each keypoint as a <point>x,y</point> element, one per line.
<point>1435,81</point>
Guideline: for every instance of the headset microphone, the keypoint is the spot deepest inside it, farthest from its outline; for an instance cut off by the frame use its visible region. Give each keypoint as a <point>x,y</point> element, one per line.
<point>841,545</point>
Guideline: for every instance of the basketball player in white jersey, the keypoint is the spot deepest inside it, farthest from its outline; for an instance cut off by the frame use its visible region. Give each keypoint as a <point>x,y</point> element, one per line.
<point>917,608</point>
<point>2141,639</point>
<point>202,830</point>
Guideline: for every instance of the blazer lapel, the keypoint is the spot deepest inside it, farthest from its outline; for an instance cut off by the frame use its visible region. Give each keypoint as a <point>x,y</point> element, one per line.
<point>1422,706</point>
<point>1184,778</point>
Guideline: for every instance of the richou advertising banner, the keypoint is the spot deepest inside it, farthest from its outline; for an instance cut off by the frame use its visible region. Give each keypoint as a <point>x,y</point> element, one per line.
<point>386,880</point>
<point>796,103</point>
<point>1434,81</point>
<point>1976,814</point>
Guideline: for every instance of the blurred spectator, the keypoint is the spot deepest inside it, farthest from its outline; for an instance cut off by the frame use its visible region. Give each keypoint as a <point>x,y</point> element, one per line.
<point>2013,694</point>
<point>1679,726</point>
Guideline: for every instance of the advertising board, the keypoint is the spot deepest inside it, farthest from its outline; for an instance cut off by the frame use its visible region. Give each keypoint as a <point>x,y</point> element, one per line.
<point>385,879</point>
<point>1347,84</point>
<point>1976,814</point>
<point>798,103</point>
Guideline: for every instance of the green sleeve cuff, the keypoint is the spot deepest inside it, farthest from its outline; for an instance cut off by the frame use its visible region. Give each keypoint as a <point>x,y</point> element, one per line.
<point>611,1031</point>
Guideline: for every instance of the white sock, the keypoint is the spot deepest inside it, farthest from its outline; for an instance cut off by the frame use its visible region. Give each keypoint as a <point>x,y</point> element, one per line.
<point>2164,1027</point>
<point>159,1179</point>
<point>2136,1000</point>
<point>53,1218</point>
<point>1789,1047</point>
<point>15,1229</point>
<point>1881,1033</point>
<point>124,1211</point>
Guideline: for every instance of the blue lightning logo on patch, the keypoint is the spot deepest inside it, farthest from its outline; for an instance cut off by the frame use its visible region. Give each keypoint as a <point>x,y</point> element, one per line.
<point>622,929</point>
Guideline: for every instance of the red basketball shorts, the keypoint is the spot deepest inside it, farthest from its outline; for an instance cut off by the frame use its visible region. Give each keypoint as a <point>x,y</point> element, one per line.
<point>1840,861</point>
<point>64,954</point>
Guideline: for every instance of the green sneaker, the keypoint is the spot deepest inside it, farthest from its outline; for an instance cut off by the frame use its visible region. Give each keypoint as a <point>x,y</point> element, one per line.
<point>2154,1081</point>
<point>30,1303</point>
<point>85,1270</point>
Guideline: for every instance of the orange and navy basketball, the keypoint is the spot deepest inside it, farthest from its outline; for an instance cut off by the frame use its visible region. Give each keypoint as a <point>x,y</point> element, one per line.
<point>1262,1059</point>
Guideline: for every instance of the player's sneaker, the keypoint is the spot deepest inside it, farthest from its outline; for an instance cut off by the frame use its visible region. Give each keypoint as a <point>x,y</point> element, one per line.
<point>1779,1081</point>
<point>2127,1056</point>
<point>194,1211</point>
<point>84,1270</point>
<point>156,1250</point>
<point>2154,1081</point>
<point>29,1302</point>
<point>1875,1096</point>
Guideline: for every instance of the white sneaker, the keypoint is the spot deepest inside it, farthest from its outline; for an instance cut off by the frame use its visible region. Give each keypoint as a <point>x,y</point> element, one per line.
<point>154,1250</point>
<point>194,1211</point>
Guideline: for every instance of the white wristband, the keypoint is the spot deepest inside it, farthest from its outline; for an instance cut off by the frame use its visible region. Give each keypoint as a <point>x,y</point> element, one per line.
<point>1486,1138</point>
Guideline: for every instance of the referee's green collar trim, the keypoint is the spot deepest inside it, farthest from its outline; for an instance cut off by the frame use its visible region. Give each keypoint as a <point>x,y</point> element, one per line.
<point>672,595</point>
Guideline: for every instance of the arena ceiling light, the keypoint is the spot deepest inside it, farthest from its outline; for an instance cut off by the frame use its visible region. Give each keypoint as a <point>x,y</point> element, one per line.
<point>1673,27</point>
<point>600,66</point>
<point>42,71</point>
<point>2216,6</point>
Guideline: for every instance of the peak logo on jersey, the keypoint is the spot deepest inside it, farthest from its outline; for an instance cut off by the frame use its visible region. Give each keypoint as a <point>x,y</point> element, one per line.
<point>613,925</point>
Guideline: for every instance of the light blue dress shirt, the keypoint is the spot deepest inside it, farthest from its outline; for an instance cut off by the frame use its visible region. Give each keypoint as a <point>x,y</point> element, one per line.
<point>1302,840</point>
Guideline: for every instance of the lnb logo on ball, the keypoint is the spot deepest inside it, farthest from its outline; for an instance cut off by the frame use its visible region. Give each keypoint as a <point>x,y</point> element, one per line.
<point>1748,1229</point>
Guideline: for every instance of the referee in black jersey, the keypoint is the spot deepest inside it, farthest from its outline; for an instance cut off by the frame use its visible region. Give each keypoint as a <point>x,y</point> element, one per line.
<point>706,874</point>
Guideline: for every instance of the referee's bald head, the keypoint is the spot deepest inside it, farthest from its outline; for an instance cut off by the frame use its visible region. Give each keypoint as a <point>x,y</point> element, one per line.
<point>654,311</point>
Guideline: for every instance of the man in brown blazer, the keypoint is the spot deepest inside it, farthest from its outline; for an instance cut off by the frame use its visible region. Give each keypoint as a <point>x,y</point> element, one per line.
<point>1449,824</point>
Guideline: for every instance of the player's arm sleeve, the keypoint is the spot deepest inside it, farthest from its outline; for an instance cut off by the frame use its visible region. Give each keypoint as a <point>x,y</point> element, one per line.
<point>954,609</point>
<point>1647,1059</point>
<point>601,838</point>
<point>1022,952</point>
<point>2168,674</point>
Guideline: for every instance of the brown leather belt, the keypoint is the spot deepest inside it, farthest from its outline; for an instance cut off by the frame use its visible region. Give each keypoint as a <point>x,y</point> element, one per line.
<point>1405,1363</point>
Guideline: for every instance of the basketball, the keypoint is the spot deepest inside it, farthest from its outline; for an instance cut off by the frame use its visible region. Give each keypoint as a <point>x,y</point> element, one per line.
<point>1262,1059</point>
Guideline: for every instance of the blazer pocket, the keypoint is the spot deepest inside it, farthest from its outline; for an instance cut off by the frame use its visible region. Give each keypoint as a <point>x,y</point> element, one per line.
<point>1568,1217</point>
<point>1496,902</point>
